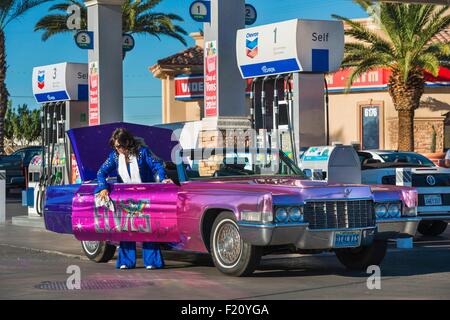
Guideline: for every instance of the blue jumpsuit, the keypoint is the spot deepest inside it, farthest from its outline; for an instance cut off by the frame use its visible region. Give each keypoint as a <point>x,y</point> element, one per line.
<point>148,168</point>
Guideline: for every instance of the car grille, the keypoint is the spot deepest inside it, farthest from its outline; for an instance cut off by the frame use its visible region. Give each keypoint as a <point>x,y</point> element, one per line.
<point>339,214</point>
<point>420,180</point>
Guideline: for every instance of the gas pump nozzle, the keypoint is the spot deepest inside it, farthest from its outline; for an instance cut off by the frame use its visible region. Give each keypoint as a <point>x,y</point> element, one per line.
<point>253,103</point>
<point>289,96</point>
<point>263,109</point>
<point>275,113</point>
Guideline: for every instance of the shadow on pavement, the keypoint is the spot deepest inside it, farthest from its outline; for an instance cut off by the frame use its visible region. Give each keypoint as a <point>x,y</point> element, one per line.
<point>201,260</point>
<point>401,263</point>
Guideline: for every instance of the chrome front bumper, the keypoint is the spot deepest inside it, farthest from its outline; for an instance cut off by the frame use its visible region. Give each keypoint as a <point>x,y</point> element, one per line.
<point>297,234</point>
<point>437,216</point>
<point>397,228</point>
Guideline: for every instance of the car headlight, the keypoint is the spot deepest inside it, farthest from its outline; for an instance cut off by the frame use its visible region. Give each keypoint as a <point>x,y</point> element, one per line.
<point>295,214</point>
<point>394,210</point>
<point>380,211</point>
<point>281,215</point>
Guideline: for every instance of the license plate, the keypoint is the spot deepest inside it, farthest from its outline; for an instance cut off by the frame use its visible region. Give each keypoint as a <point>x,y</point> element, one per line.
<point>433,200</point>
<point>345,239</point>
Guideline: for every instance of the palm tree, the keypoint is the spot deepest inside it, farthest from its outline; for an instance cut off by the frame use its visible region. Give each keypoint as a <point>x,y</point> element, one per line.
<point>10,10</point>
<point>406,48</point>
<point>138,18</point>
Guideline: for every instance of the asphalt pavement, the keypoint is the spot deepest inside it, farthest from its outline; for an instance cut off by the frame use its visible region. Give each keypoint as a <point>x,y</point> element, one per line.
<point>34,264</point>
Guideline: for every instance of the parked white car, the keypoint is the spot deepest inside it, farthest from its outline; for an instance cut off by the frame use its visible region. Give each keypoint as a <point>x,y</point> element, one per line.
<point>432,183</point>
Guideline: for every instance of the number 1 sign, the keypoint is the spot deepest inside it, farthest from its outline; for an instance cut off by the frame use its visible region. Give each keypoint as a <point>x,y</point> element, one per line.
<point>201,11</point>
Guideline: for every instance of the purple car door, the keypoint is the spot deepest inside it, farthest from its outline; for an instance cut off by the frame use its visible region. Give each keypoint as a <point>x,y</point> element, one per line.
<point>141,212</point>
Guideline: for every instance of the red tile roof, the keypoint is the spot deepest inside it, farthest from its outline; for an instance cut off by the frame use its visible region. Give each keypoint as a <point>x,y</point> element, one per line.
<point>443,36</point>
<point>190,57</point>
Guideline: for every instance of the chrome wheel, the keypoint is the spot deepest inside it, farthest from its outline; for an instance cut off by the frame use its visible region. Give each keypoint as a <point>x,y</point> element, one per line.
<point>91,246</point>
<point>98,251</point>
<point>228,243</point>
<point>230,253</point>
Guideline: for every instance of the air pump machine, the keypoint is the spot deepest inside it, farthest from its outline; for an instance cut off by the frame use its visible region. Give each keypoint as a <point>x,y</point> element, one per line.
<point>335,164</point>
<point>287,62</point>
<point>62,91</point>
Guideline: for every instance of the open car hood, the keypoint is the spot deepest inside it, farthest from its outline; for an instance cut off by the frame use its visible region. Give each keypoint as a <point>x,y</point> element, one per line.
<point>91,144</point>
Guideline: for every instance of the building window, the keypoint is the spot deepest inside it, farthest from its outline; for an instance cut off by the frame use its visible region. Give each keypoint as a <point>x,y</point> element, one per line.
<point>370,126</point>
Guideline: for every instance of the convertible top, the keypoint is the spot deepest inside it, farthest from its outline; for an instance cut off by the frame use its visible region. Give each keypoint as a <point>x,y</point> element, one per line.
<point>91,144</point>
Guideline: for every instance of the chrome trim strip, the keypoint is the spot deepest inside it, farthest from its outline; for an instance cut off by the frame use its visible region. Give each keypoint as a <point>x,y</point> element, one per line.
<point>271,226</point>
<point>433,190</point>
<point>394,220</point>
<point>388,201</point>
<point>340,229</point>
<point>435,217</point>
<point>432,209</point>
<point>340,199</point>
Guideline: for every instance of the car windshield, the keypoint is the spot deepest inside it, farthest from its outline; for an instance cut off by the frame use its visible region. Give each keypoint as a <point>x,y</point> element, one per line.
<point>212,163</point>
<point>407,158</point>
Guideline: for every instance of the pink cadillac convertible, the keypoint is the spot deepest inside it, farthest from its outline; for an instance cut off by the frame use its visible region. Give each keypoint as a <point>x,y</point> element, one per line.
<point>235,204</point>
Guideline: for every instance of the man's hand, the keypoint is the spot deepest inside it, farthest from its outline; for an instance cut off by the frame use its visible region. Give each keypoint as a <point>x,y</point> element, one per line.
<point>104,194</point>
<point>167,181</point>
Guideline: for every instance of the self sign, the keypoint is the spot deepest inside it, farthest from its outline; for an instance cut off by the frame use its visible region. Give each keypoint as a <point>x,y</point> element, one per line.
<point>320,37</point>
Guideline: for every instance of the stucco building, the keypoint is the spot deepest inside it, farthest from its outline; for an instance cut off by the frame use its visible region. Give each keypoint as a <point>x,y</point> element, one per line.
<point>364,114</point>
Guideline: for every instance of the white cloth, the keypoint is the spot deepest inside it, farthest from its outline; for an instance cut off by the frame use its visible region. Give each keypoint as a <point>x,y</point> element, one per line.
<point>135,177</point>
<point>108,203</point>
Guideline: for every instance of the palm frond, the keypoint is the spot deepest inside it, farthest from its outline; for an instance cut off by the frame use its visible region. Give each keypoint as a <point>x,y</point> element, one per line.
<point>137,18</point>
<point>408,45</point>
<point>440,50</point>
<point>63,6</point>
<point>361,33</point>
<point>52,25</point>
<point>144,6</point>
<point>5,8</point>
<point>364,4</point>
<point>430,63</point>
<point>439,24</point>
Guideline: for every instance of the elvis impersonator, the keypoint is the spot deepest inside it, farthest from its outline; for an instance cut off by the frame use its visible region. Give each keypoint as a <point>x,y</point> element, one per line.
<point>134,163</point>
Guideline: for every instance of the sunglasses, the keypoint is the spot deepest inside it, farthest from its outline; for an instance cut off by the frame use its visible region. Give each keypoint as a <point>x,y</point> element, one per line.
<point>119,146</point>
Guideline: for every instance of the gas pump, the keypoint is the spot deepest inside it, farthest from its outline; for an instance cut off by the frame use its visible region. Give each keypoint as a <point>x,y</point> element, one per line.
<point>271,112</point>
<point>62,91</point>
<point>55,159</point>
<point>276,53</point>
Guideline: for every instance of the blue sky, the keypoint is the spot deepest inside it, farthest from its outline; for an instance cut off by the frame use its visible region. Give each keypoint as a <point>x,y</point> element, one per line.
<point>26,50</point>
